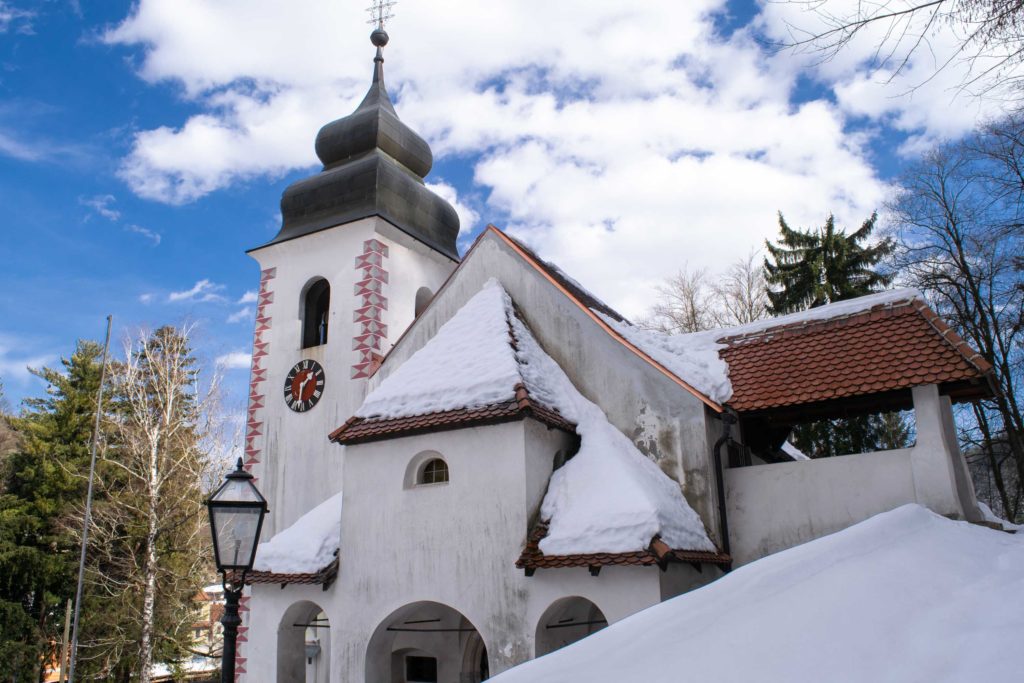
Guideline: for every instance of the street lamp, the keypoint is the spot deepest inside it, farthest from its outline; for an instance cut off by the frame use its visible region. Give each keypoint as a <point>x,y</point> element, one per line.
<point>236,518</point>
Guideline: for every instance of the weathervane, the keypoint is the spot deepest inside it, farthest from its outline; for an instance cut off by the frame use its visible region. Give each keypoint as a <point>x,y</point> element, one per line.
<point>380,12</point>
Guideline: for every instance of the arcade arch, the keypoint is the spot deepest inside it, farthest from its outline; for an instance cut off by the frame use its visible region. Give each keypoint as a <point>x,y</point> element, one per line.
<point>304,645</point>
<point>426,642</point>
<point>566,621</point>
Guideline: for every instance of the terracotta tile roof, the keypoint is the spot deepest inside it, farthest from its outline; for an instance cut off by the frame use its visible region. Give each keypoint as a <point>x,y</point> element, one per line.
<point>361,430</point>
<point>324,577</point>
<point>658,553</point>
<point>884,349</point>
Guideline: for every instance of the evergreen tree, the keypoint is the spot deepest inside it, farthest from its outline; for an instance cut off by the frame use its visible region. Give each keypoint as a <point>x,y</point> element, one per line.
<point>809,268</point>
<point>42,479</point>
<point>815,267</point>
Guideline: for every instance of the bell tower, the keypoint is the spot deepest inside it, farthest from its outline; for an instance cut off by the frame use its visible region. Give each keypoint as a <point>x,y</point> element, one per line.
<point>363,246</point>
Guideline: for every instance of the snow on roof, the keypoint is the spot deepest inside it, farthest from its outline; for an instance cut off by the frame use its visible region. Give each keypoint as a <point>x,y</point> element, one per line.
<point>469,363</point>
<point>609,497</point>
<point>694,357</point>
<point>905,596</point>
<point>793,452</point>
<point>307,546</point>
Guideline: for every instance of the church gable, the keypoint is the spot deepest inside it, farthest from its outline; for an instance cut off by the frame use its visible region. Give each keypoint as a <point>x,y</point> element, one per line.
<point>607,498</point>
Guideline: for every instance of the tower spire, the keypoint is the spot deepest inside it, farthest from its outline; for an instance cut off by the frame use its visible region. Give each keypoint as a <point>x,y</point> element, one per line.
<point>380,12</point>
<point>374,165</point>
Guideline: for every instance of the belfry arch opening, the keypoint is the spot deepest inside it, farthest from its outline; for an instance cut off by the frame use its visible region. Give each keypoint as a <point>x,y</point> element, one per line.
<point>316,307</point>
<point>565,622</point>
<point>304,645</point>
<point>423,297</point>
<point>426,642</point>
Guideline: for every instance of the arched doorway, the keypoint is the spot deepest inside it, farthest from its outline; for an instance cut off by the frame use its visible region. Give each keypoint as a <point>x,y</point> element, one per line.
<point>426,642</point>
<point>566,621</point>
<point>304,645</point>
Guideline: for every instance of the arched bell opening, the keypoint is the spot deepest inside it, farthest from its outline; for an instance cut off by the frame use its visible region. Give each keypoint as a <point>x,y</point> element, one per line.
<point>316,308</point>
<point>423,297</point>
<point>565,622</point>
<point>304,645</point>
<point>427,642</point>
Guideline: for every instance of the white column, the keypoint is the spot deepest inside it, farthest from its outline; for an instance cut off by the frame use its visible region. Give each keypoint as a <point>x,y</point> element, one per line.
<point>932,459</point>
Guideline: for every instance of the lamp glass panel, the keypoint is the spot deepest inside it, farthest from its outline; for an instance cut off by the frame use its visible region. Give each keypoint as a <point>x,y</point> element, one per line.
<point>239,491</point>
<point>235,529</point>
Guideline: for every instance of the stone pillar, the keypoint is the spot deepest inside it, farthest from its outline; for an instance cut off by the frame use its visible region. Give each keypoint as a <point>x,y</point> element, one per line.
<point>933,457</point>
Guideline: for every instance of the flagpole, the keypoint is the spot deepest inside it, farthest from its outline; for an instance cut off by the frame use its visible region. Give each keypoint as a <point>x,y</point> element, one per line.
<point>88,506</point>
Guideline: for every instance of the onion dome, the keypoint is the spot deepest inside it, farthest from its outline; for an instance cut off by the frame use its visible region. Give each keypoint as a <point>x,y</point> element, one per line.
<point>373,165</point>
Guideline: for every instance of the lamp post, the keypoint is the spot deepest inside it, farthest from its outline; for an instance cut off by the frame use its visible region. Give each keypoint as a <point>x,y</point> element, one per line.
<point>236,519</point>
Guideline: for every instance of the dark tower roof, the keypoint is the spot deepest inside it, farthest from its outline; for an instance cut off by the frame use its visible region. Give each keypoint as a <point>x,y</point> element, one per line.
<point>374,165</point>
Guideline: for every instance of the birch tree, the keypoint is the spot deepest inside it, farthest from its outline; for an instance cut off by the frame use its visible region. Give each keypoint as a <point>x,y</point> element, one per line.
<point>149,554</point>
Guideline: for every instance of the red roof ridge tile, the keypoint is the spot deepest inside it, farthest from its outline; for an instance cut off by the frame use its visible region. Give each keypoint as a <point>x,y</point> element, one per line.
<point>955,340</point>
<point>362,430</point>
<point>878,311</point>
<point>325,576</point>
<point>657,553</point>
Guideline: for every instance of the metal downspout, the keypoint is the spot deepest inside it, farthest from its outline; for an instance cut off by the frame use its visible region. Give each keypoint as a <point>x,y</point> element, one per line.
<point>728,420</point>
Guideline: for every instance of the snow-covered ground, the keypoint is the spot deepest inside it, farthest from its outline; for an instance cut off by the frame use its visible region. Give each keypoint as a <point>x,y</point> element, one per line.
<point>907,595</point>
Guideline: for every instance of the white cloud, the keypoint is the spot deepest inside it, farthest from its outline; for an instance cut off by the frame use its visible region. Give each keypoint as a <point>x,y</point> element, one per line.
<point>15,361</point>
<point>241,315</point>
<point>202,291</point>
<point>910,74</point>
<point>250,297</point>
<point>236,360</point>
<point>102,205</point>
<point>151,235</point>
<point>13,18</point>
<point>622,140</point>
<point>18,149</point>
<point>468,217</point>
<point>146,298</point>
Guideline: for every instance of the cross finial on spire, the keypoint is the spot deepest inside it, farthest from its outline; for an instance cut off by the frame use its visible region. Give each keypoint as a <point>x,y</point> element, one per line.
<point>380,12</point>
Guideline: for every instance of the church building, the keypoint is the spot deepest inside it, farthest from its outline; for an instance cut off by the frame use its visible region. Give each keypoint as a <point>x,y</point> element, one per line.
<point>471,461</point>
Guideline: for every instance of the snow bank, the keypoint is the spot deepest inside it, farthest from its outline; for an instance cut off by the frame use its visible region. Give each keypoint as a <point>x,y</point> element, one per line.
<point>989,516</point>
<point>694,359</point>
<point>305,547</point>
<point>905,596</point>
<point>609,497</point>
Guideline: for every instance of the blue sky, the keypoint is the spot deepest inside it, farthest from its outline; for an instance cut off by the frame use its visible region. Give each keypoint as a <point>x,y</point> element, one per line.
<point>144,146</point>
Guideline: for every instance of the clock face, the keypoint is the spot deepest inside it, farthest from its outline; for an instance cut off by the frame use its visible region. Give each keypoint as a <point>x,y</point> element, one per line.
<point>304,385</point>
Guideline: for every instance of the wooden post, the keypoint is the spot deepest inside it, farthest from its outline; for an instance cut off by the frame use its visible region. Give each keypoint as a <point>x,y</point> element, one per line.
<point>64,643</point>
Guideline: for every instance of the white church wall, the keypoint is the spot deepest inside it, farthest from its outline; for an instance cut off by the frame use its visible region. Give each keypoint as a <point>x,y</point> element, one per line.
<point>776,506</point>
<point>298,468</point>
<point>274,649</point>
<point>456,543</point>
<point>665,421</point>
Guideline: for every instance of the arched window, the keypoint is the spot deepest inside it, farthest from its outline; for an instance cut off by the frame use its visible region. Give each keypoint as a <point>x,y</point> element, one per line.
<point>423,297</point>
<point>315,308</point>
<point>435,471</point>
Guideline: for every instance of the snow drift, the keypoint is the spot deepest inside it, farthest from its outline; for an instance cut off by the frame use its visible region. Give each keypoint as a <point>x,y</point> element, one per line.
<point>907,595</point>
